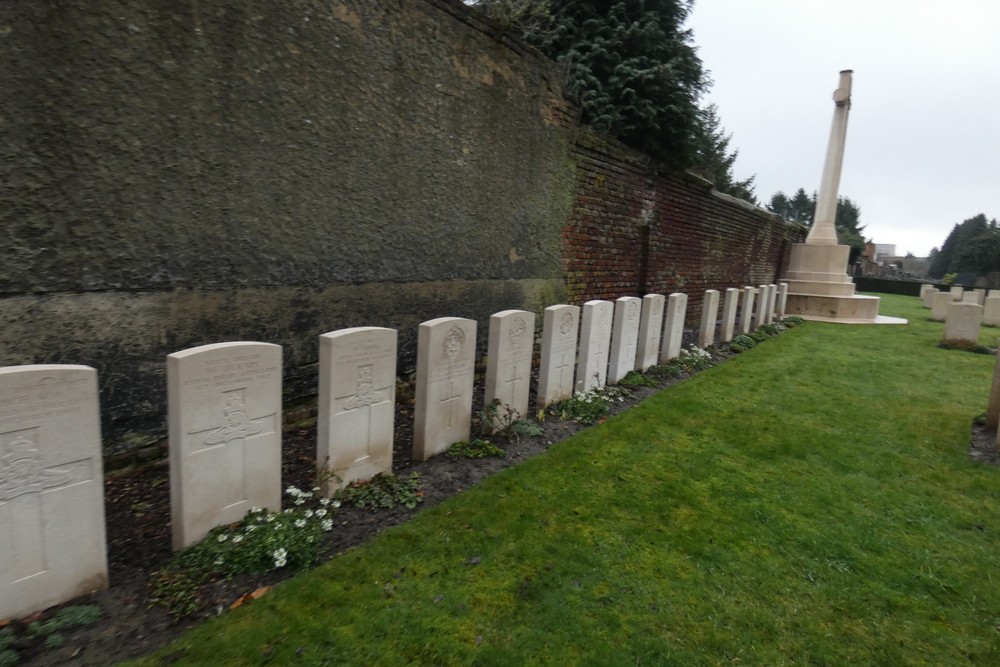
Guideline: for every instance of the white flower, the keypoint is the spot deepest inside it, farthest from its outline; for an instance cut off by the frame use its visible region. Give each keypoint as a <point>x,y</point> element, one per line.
<point>277,526</point>
<point>300,523</point>
<point>280,557</point>
<point>336,504</point>
<point>270,518</point>
<point>324,501</point>
<point>309,514</point>
<point>292,491</point>
<point>315,489</point>
<point>319,513</point>
<point>327,524</point>
<point>256,510</point>
<point>223,537</point>
<point>251,528</point>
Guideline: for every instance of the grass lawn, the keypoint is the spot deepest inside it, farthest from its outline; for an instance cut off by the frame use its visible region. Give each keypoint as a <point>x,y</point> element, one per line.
<point>807,502</point>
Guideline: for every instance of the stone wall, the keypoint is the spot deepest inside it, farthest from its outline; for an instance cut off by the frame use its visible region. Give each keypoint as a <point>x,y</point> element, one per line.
<point>184,173</point>
<point>634,231</point>
<point>176,174</point>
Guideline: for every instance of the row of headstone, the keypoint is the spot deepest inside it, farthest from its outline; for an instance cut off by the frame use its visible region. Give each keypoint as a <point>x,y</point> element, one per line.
<point>224,420</point>
<point>928,293</point>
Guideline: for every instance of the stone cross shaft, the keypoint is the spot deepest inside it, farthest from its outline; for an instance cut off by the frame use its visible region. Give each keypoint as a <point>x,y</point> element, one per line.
<point>824,231</point>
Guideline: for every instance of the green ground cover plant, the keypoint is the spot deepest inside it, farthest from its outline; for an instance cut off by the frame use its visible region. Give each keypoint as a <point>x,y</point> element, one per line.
<point>809,502</point>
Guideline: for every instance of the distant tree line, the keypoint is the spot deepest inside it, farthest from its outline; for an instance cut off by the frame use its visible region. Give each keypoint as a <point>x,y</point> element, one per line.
<point>636,75</point>
<point>801,207</point>
<point>973,246</point>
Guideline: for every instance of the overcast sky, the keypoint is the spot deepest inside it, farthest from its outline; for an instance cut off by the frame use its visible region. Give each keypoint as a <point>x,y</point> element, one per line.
<point>923,138</point>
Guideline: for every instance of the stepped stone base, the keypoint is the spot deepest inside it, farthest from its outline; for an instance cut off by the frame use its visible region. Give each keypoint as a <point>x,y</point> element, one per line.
<point>819,288</point>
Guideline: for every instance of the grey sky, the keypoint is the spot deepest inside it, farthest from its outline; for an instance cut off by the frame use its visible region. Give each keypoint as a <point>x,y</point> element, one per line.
<point>923,139</point>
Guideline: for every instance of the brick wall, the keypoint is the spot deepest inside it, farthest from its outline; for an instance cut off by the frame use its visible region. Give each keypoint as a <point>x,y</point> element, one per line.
<point>633,231</point>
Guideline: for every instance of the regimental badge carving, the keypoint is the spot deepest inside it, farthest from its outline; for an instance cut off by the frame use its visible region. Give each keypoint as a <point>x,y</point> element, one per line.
<point>454,341</point>
<point>364,392</point>
<point>236,423</point>
<point>566,324</point>
<point>21,469</point>
<point>517,329</point>
<point>632,310</point>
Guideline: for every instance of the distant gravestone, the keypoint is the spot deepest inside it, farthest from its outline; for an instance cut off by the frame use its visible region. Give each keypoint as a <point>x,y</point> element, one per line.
<point>956,293</point>
<point>925,290</point>
<point>624,338</point>
<point>446,360</point>
<point>991,311</point>
<point>52,539</point>
<point>970,297</point>
<point>746,309</point>
<point>357,392</point>
<point>508,363</point>
<point>224,414</point>
<point>980,296</point>
<point>763,299</point>
<point>782,300</point>
<point>772,302</point>
<point>650,330</point>
<point>709,316</point>
<point>939,308</point>
<point>595,344</point>
<point>732,301</point>
<point>963,321</point>
<point>557,365</point>
<point>673,328</point>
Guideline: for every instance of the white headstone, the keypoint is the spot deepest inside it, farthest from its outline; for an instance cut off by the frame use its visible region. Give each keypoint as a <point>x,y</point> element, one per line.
<point>763,299</point>
<point>650,330</point>
<point>446,364</point>
<point>925,289</point>
<point>357,392</point>
<point>624,338</point>
<point>772,303</point>
<point>595,344</point>
<point>508,362</point>
<point>746,309</point>
<point>729,305</point>
<point>560,326</point>
<point>939,307</point>
<point>956,293</point>
<point>963,322</point>
<point>970,297</point>
<point>980,296</point>
<point>673,328</point>
<point>52,541</point>
<point>224,415</point>
<point>782,300</point>
<point>709,316</point>
<point>991,311</point>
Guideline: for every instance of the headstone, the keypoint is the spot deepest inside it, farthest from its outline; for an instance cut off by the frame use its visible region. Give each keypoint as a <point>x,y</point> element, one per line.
<point>595,344</point>
<point>746,309</point>
<point>980,296</point>
<point>729,314</point>
<point>939,307</point>
<point>993,407</point>
<point>991,311</point>
<point>772,303</point>
<point>624,338</point>
<point>925,290</point>
<point>927,295</point>
<point>963,322</point>
<point>224,416</point>
<point>650,330</point>
<point>673,328</point>
<point>52,540</point>
<point>357,392</point>
<point>557,364</point>
<point>709,316</point>
<point>970,297</point>
<point>956,293</point>
<point>782,300</point>
<point>508,363</point>
<point>446,364</point>
<point>763,299</point>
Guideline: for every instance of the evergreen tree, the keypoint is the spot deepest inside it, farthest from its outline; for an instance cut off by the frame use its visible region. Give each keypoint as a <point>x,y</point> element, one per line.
<point>634,71</point>
<point>714,161</point>
<point>973,246</point>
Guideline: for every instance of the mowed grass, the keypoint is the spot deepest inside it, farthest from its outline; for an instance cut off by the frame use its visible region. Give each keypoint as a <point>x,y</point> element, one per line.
<point>808,502</point>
